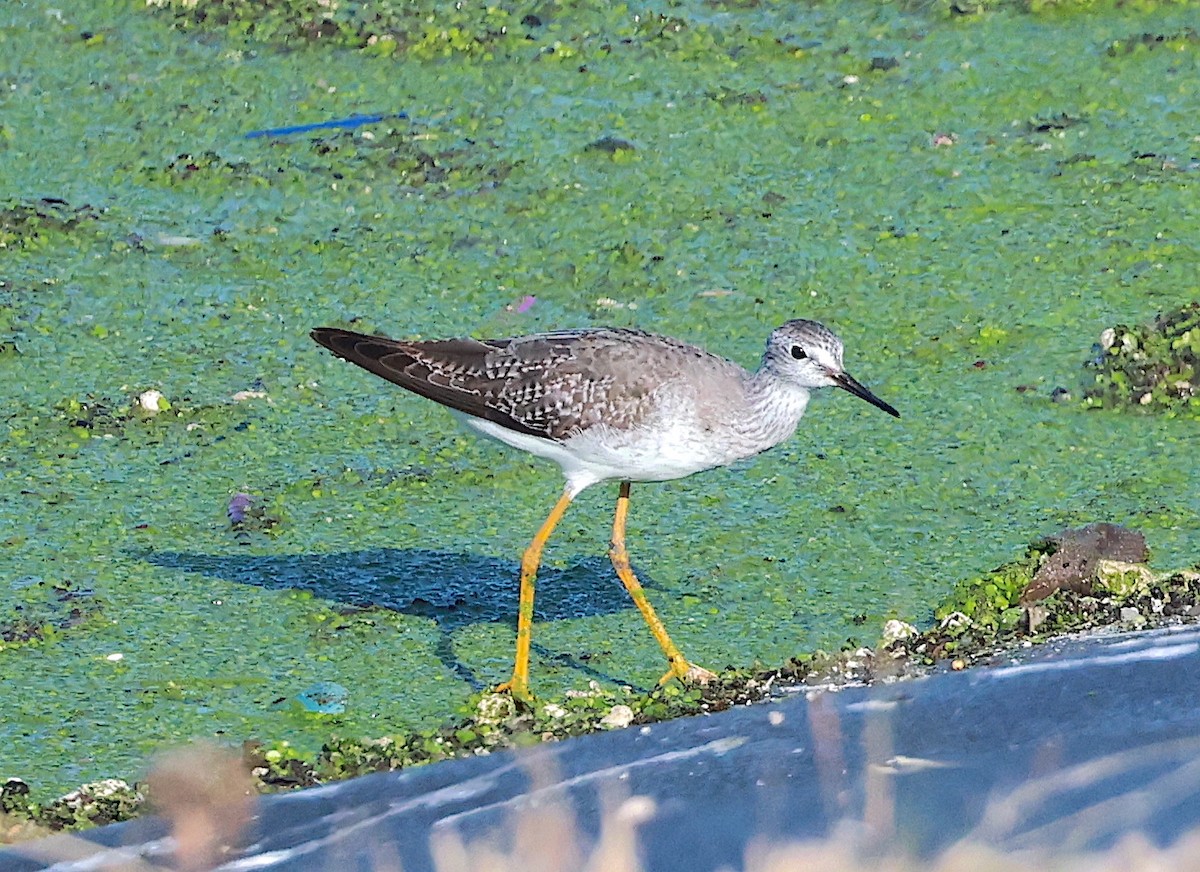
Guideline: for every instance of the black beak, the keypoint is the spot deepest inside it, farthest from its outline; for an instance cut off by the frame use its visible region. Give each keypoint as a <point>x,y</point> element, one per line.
<point>851,384</point>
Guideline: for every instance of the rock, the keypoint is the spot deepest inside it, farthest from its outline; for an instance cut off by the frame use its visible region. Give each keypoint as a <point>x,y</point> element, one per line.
<point>619,716</point>
<point>14,796</point>
<point>153,402</point>
<point>897,631</point>
<point>1073,563</point>
<point>955,621</point>
<point>1124,579</point>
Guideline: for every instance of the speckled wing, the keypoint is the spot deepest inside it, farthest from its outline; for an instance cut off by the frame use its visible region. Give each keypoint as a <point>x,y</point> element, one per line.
<point>550,385</point>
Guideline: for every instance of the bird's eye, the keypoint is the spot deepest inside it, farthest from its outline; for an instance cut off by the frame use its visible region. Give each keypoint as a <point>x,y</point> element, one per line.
<point>798,352</point>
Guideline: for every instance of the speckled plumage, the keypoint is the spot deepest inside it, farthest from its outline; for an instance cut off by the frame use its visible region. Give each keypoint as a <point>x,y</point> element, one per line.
<point>550,385</point>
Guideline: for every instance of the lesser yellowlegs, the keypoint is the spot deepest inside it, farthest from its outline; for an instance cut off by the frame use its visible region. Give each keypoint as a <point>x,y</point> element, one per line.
<point>607,404</point>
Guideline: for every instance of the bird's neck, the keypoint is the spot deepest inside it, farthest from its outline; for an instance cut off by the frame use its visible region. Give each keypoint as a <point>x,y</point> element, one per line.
<point>775,407</point>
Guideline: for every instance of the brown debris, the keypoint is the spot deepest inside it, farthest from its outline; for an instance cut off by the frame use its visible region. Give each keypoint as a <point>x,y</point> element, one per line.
<point>1077,553</point>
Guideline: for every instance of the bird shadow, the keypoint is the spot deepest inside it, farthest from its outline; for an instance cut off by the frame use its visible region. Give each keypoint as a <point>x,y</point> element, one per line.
<point>452,589</point>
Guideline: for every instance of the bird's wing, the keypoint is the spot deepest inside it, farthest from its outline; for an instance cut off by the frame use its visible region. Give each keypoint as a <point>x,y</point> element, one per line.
<point>551,385</point>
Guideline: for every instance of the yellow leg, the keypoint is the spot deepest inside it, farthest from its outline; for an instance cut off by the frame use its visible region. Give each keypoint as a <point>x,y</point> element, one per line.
<point>518,685</point>
<point>679,666</point>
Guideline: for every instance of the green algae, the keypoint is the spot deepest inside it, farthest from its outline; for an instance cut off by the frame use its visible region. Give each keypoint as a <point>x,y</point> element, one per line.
<point>1153,367</point>
<point>422,30</point>
<point>982,618</point>
<point>554,31</point>
<point>43,611</point>
<point>782,166</point>
<point>35,224</point>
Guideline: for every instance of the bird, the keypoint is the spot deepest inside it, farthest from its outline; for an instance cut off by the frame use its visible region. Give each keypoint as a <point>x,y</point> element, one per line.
<point>612,404</point>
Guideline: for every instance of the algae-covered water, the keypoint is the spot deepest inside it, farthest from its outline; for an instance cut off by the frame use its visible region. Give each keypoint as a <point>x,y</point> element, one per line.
<point>967,200</point>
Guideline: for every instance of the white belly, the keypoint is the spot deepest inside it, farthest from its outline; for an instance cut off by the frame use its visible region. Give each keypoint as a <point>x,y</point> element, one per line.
<point>603,454</point>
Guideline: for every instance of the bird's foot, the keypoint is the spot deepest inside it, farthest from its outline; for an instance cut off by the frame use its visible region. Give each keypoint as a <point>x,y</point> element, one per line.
<point>688,673</point>
<point>518,689</point>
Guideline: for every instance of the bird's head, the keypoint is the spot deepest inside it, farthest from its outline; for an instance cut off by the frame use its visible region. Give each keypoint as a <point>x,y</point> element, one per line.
<point>809,354</point>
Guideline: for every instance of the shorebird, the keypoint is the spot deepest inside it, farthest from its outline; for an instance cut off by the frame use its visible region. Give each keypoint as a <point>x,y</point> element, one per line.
<point>610,404</point>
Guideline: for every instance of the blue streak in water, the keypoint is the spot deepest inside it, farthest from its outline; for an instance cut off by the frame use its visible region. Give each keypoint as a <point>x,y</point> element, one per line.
<point>352,121</point>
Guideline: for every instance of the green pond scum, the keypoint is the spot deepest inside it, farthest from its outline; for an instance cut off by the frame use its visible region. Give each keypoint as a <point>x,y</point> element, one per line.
<point>983,619</point>
<point>205,517</point>
<point>1154,367</point>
